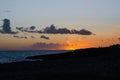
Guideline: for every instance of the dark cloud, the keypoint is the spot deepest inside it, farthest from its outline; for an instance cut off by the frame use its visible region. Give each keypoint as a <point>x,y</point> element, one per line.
<point>82,32</point>
<point>6,29</point>
<point>20,28</point>
<point>44,37</point>
<point>30,29</point>
<point>20,37</point>
<point>45,46</point>
<point>52,30</point>
<point>85,32</point>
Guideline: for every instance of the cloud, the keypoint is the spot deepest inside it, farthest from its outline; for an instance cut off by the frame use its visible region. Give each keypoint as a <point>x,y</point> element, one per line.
<point>52,30</point>
<point>20,29</point>
<point>45,37</point>
<point>20,37</point>
<point>16,36</point>
<point>6,29</point>
<point>30,29</point>
<point>45,46</point>
<point>32,37</point>
<point>82,32</point>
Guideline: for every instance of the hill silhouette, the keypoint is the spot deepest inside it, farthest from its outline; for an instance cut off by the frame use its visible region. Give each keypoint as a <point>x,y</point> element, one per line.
<point>111,52</point>
<point>82,64</point>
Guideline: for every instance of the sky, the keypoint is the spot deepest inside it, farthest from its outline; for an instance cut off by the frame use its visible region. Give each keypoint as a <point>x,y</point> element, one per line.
<point>59,24</point>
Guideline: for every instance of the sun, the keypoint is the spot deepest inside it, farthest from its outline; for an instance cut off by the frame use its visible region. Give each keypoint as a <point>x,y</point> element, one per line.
<point>70,48</point>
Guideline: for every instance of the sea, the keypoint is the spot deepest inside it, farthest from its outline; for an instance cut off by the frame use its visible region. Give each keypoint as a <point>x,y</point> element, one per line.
<point>18,56</point>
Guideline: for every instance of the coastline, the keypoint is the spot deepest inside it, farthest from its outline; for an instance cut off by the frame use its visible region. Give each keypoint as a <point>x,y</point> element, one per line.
<point>95,67</point>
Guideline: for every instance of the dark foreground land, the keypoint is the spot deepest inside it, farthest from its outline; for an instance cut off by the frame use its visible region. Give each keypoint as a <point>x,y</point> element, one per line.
<point>85,64</point>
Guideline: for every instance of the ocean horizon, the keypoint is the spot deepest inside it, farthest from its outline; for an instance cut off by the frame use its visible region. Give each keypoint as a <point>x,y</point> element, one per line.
<point>20,55</point>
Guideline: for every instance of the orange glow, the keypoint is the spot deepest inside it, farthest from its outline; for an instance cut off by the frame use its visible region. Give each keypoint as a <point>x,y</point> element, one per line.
<point>71,46</point>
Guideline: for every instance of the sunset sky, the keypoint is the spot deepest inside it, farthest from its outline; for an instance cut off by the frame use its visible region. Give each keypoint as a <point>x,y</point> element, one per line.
<point>59,24</point>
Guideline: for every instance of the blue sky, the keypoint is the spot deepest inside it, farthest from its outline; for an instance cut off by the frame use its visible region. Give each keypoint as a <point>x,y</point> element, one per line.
<point>60,12</point>
<point>98,16</point>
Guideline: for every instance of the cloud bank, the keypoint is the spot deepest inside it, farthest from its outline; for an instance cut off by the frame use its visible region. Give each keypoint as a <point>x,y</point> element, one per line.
<point>6,29</point>
<point>45,46</point>
<point>52,30</point>
<point>29,29</point>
